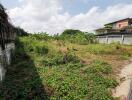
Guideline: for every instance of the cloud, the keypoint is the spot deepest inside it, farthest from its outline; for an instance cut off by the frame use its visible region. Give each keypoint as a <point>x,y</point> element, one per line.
<point>39,15</point>
<point>96,18</point>
<point>48,15</point>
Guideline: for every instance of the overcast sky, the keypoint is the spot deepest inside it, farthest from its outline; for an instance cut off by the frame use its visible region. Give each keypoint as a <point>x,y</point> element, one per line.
<point>53,16</point>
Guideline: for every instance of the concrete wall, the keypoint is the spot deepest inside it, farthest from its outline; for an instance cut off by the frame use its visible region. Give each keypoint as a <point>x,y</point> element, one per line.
<point>127,39</point>
<point>115,39</point>
<point>5,58</point>
<point>122,39</point>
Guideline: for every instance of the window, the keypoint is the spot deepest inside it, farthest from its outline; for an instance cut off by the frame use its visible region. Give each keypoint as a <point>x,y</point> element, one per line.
<point>119,25</point>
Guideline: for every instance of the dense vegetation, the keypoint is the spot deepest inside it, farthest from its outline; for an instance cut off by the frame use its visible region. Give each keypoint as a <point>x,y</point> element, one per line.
<point>76,36</point>
<point>62,67</point>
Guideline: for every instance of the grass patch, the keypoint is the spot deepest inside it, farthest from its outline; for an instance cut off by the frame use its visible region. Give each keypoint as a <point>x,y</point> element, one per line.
<point>40,71</point>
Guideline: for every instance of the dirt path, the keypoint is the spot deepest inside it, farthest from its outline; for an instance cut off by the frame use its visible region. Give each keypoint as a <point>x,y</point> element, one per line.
<point>125,77</point>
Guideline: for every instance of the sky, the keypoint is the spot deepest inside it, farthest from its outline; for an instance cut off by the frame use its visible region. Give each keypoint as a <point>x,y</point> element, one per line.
<point>54,16</point>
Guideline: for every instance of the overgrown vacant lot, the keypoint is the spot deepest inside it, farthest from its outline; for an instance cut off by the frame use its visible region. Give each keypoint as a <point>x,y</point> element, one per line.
<point>59,70</point>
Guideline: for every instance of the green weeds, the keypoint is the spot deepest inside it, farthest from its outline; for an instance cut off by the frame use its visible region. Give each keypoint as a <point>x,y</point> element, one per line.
<point>39,68</point>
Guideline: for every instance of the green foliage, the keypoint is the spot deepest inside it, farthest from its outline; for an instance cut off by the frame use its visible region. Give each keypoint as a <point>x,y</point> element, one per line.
<point>98,71</point>
<point>100,67</point>
<point>78,37</point>
<point>31,45</point>
<point>70,84</point>
<point>60,59</point>
<point>71,32</point>
<point>109,49</point>
<point>38,69</point>
<point>69,35</point>
<point>90,37</point>
<point>22,80</point>
<point>101,49</point>
<point>41,36</point>
<point>124,56</point>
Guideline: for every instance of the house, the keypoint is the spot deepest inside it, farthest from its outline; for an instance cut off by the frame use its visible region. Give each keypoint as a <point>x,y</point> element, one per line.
<point>118,31</point>
<point>124,25</point>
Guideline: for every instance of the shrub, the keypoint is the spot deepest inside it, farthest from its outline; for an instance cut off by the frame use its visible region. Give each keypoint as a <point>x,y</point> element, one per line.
<point>31,45</point>
<point>77,36</point>
<point>41,49</point>
<point>70,32</point>
<point>59,59</point>
<point>74,66</point>
<point>107,82</point>
<point>98,92</point>
<point>99,67</point>
<point>98,71</point>
<point>53,60</point>
<point>41,36</point>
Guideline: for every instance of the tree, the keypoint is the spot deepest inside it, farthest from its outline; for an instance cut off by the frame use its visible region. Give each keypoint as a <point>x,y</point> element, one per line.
<point>70,32</point>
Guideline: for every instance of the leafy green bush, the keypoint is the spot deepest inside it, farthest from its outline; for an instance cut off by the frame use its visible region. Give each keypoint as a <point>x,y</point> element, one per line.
<point>99,67</point>
<point>40,49</point>
<point>53,60</point>
<point>59,59</point>
<point>76,36</point>
<point>41,36</point>
<point>31,45</point>
<point>70,32</point>
<point>107,82</point>
<point>98,70</point>
<point>74,66</point>
<point>98,92</point>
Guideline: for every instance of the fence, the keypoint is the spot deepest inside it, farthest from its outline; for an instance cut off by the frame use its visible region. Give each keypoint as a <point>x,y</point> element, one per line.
<point>122,39</point>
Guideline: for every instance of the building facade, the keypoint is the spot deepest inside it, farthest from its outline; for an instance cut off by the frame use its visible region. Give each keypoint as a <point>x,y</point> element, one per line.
<point>118,31</point>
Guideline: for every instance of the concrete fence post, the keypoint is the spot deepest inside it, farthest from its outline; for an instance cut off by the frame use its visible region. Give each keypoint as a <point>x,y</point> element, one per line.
<point>98,39</point>
<point>107,39</point>
<point>122,41</point>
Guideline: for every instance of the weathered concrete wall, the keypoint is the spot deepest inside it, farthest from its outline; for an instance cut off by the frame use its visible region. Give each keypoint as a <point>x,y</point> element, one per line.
<point>128,39</point>
<point>114,39</point>
<point>122,39</point>
<point>102,39</point>
<point>5,58</point>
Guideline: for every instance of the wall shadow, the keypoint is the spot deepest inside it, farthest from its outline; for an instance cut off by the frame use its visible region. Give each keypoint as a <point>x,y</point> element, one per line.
<point>129,97</point>
<point>22,81</point>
